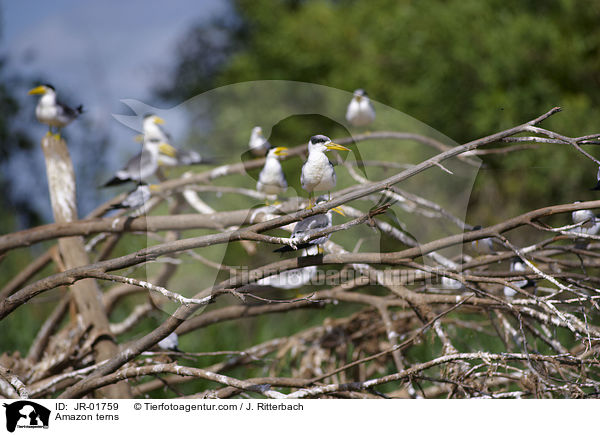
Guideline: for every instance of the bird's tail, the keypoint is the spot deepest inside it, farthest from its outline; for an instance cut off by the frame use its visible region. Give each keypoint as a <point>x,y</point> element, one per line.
<point>79,109</point>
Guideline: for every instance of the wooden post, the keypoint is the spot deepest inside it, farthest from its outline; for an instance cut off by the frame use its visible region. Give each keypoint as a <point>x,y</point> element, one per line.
<point>85,293</point>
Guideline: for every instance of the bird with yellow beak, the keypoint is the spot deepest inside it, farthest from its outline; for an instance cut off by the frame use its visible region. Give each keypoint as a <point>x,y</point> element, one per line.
<point>152,126</point>
<point>271,179</point>
<point>143,165</point>
<point>360,111</point>
<point>52,112</point>
<point>318,173</point>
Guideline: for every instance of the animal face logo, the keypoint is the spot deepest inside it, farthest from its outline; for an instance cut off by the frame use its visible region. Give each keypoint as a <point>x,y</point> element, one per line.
<point>26,414</point>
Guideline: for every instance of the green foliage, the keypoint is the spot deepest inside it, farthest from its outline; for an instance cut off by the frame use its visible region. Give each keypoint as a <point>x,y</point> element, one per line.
<point>467,68</point>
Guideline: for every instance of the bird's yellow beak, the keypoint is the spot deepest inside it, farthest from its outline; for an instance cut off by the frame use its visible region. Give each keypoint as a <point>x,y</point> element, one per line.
<point>154,188</point>
<point>335,146</point>
<point>38,90</point>
<point>138,138</point>
<point>338,210</point>
<point>358,97</point>
<point>167,149</point>
<point>281,151</point>
<point>158,120</point>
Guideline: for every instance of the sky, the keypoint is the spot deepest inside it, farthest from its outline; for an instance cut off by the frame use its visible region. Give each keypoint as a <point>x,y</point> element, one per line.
<point>109,49</point>
<point>95,54</point>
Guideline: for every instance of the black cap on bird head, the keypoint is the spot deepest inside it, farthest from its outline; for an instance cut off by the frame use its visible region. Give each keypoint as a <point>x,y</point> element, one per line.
<point>319,138</point>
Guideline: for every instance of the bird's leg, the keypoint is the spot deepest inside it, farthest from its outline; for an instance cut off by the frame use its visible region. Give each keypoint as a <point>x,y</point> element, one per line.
<point>320,250</point>
<point>310,201</point>
<point>272,200</point>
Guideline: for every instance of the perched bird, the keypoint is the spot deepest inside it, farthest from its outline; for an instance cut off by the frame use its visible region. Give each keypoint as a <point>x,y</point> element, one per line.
<point>290,279</point>
<point>451,284</point>
<point>142,165</point>
<point>271,179</point>
<point>52,112</point>
<point>318,173</point>
<point>259,146</point>
<point>579,216</point>
<point>312,225</point>
<point>517,265</point>
<point>597,186</point>
<point>152,129</point>
<point>170,343</point>
<point>483,246</point>
<point>151,126</point>
<point>136,198</point>
<point>360,111</point>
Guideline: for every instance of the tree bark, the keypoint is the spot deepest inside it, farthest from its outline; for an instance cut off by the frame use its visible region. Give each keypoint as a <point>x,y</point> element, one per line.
<point>86,294</point>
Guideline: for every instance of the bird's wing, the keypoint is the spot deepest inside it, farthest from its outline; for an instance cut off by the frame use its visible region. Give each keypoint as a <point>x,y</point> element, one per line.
<point>66,110</point>
<point>166,134</point>
<point>310,225</point>
<point>319,222</point>
<point>302,176</point>
<point>134,164</point>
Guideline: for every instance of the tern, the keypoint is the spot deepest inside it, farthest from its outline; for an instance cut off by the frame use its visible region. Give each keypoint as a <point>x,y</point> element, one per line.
<point>360,111</point>
<point>51,111</point>
<point>318,173</point>
<point>136,198</point>
<point>142,165</point>
<point>483,246</point>
<point>290,279</point>
<point>259,146</point>
<point>153,130</point>
<point>580,216</point>
<point>170,343</point>
<point>271,179</point>
<point>590,225</point>
<point>517,265</point>
<point>309,226</point>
